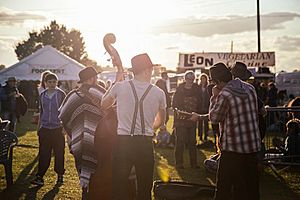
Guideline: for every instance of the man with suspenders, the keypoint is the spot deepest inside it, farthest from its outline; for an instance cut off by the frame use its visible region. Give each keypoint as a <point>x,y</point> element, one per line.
<point>141,109</point>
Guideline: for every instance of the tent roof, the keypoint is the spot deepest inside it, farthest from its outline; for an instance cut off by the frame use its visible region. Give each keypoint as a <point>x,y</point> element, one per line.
<point>46,58</point>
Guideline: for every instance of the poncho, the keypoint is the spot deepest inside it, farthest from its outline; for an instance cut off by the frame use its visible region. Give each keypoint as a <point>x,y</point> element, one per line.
<point>80,117</point>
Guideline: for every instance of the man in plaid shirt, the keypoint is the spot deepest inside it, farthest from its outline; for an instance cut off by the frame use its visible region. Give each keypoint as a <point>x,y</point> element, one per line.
<point>234,105</point>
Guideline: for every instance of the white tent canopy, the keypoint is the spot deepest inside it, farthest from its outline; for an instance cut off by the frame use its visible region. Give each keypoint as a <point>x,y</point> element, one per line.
<point>46,58</point>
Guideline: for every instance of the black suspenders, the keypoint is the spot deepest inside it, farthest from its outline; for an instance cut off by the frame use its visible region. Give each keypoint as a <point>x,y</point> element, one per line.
<point>138,105</point>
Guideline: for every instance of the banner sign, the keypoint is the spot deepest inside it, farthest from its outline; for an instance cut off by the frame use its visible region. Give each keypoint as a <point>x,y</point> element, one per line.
<point>202,60</point>
<point>38,69</point>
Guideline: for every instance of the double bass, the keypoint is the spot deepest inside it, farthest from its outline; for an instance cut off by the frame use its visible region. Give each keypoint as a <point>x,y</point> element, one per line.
<point>101,182</point>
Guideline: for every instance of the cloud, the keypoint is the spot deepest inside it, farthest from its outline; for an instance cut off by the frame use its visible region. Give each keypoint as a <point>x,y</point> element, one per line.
<point>11,17</point>
<point>288,43</point>
<point>206,27</point>
<point>172,48</point>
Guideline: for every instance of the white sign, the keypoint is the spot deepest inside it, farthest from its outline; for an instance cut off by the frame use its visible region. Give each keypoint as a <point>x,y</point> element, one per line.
<point>202,60</point>
<point>38,69</point>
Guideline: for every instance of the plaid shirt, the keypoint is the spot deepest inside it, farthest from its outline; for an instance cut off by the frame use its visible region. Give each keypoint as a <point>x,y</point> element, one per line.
<point>235,108</point>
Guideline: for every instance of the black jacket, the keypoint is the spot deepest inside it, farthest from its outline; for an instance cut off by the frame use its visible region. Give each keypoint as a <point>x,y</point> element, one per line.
<point>186,100</point>
<point>162,85</point>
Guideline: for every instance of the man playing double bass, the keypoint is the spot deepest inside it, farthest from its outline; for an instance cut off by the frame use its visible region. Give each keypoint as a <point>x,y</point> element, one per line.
<point>141,109</point>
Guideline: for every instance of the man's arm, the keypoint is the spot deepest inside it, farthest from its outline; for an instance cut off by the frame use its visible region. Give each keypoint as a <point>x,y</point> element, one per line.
<point>107,101</point>
<point>109,97</point>
<point>218,108</point>
<point>159,119</point>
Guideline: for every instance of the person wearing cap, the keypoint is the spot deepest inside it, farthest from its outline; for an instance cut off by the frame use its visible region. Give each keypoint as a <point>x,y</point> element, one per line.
<point>186,98</point>
<point>50,133</point>
<point>8,96</point>
<point>141,109</point>
<point>234,106</point>
<point>80,114</point>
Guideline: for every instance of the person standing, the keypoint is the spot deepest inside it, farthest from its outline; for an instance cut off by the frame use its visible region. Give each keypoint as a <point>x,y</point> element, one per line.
<point>42,85</point>
<point>272,101</point>
<point>186,98</point>
<point>234,106</point>
<point>162,84</point>
<point>239,70</point>
<point>203,122</point>
<point>214,126</point>
<point>8,96</point>
<point>80,114</point>
<point>141,109</point>
<point>51,137</point>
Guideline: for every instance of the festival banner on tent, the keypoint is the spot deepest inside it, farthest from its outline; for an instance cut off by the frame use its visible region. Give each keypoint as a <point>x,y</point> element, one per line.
<point>39,68</point>
<point>202,60</point>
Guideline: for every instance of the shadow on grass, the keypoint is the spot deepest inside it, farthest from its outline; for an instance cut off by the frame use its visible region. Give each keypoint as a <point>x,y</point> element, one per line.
<point>187,174</point>
<point>27,146</point>
<point>165,160</point>
<point>272,187</point>
<point>21,186</point>
<point>51,193</point>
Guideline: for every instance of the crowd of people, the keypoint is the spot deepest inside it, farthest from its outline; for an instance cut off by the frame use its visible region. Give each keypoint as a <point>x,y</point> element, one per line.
<point>110,130</point>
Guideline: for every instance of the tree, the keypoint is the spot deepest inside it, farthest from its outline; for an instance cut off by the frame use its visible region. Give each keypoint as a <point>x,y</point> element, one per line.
<point>70,42</point>
<point>2,67</point>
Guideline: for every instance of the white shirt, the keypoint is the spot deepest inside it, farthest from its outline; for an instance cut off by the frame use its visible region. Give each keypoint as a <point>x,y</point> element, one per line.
<point>154,101</point>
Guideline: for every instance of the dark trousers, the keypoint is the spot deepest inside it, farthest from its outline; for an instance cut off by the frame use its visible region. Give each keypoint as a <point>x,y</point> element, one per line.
<point>51,139</point>
<point>167,115</point>
<point>185,136</point>
<point>216,133</point>
<point>237,177</point>
<point>132,151</point>
<point>203,128</point>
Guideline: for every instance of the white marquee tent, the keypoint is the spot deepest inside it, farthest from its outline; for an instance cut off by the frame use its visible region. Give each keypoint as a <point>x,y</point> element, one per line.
<point>46,58</point>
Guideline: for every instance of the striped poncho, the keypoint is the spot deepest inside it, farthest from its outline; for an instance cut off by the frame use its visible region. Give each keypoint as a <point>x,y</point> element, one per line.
<point>80,117</point>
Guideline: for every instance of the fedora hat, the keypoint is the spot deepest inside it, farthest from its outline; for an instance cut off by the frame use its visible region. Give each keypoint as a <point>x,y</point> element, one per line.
<point>220,72</point>
<point>140,62</point>
<point>239,70</point>
<point>86,74</point>
<point>11,79</point>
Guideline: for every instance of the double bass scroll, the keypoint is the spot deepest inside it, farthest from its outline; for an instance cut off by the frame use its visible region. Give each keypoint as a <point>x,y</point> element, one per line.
<point>108,40</point>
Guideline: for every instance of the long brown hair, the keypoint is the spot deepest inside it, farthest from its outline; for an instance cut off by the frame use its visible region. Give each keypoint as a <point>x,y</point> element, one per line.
<point>203,75</point>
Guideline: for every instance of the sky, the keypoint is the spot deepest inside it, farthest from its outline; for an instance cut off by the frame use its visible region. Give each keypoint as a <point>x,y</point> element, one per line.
<point>162,28</point>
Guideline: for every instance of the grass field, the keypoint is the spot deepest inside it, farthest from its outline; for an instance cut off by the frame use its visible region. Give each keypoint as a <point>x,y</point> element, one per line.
<point>25,167</point>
